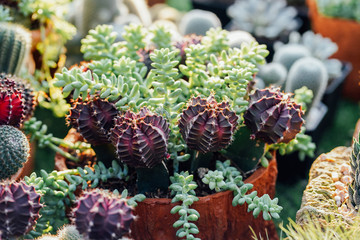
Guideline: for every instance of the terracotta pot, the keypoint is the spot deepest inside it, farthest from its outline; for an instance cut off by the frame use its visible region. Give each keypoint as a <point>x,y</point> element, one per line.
<point>346,34</point>
<point>218,218</point>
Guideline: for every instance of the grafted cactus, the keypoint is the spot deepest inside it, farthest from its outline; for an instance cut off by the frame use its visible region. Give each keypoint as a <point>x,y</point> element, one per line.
<point>17,101</point>
<point>354,187</point>
<point>101,215</point>
<point>273,117</point>
<point>207,126</point>
<point>93,118</point>
<point>19,209</point>
<point>141,139</point>
<point>14,151</point>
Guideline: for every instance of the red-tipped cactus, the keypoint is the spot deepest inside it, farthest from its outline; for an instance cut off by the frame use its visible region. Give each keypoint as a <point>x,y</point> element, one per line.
<point>100,215</point>
<point>93,119</point>
<point>206,125</point>
<point>19,209</point>
<point>17,101</point>
<point>273,117</point>
<point>186,42</point>
<point>140,139</point>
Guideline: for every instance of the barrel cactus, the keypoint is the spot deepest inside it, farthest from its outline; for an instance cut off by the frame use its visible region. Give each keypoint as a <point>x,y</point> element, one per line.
<point>198,22</point>
<point>14,150</point>
<point>206,125</point>
<point>273,117</point>
<point>140,139</point>
<point>354,187</point>
<point>19,209</point>
<point>101,215</point>
<point>17,101</point>
<point>93,118</point>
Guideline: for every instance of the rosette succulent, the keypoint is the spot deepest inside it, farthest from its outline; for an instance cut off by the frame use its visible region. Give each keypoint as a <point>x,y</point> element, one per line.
<point>206,125</point>
<point>273,117</point>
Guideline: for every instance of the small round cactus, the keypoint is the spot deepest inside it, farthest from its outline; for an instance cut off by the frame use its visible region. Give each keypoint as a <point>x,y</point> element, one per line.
<point>101,215</point>
<point>288,54</point>
<point>14,150</point>
<point>272,74</point>
<point>273,117</point>
<point>93,119</point>
<point>198,22</point>
<point>17,101</point>
<point>309,72</point>
<point>206,125</point>
<point>19,209</point>
<point>68,232</point>
<point>140,139</point>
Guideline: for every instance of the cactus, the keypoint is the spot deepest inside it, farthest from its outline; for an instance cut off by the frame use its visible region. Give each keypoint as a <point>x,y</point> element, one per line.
<point>14,150</point>
<point>263,18</point>
<point>15,47</point>
<point>207,126</point>
<point>19,209</point>
<point>288,54</point>
<point>101,215</point>
<point>17,101</point>
<point>185,43</point>
<point>198,22</point>
<point>68,232</point>
<point>354,187</point>
<point>273,73</point>
<point>141,139</point>
<point>309,72</point>
<point>93,118</point>
<point>273,117</point>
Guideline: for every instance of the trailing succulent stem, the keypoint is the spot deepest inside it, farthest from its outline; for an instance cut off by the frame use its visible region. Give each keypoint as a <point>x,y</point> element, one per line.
<point>183,188</point>
<point>226,177</point>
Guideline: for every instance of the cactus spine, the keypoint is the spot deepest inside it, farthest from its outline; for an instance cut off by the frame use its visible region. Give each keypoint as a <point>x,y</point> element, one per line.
<point>15,47</point>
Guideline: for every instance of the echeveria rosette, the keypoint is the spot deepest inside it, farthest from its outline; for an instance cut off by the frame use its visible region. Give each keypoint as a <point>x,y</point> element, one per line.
<point>206,125</point>
<point>19,209</point>
<point>102,215</point>
<point>273,117</point>
<point>93,118</point>
<point>140,139</point>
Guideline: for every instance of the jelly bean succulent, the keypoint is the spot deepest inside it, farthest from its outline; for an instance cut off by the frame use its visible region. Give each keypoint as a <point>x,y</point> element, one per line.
<point>180,110</point>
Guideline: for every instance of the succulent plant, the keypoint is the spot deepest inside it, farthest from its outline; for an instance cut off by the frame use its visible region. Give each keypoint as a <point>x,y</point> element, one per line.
<point>17,101</point>
<point>15,47</point>
<point>263,18</point>
<point>198,22</point>
<point>14,150</point>
<point>206,125</point>
<point>343,9</point>
<point>19,209</point>
<point>101,215</point>
<point>93,118</point>
<point>309,72</point>
<point>289,53</point>
<point>354,187</point>
<point>273,117</point>
<point>185,42</point>
<point>273,74</point>
<point>140,139</point>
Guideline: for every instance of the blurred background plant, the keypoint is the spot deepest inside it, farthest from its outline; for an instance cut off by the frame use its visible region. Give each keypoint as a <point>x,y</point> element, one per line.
<point>349,9</point>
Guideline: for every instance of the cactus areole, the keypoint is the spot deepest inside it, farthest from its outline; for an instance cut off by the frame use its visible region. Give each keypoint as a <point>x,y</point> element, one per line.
<point>140,139</point>
<point>206,125</point>
<point>273,117</point>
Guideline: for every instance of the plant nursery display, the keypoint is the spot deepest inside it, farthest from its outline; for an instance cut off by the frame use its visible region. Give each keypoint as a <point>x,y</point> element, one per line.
<point>160,130</point>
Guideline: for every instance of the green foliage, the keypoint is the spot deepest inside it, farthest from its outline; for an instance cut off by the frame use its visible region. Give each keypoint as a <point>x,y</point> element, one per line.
<point>14,150</point>
<point>303,96</point>
<point>182,188</point>
<point>5,14</point>
<point>229,178</point>
<point>342,9</point>
<point>162,37</point>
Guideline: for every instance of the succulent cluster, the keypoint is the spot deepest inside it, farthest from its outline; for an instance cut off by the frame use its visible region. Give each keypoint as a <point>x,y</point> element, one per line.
<point>17,101</point>
<point>273,117</point>
<point>19,209</point>
<point>141,139</point>
<point>100,215</point>
<point>206,125</point>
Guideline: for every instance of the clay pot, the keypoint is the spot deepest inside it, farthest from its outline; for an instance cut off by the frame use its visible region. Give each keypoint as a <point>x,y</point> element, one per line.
<point>218,218</point>
<point>346,34</point>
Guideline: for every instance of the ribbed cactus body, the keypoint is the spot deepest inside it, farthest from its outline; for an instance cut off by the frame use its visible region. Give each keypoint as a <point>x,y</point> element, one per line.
<point>93,119</point>
<point>17,101</point>
<point>19,209</point>
<point>15,47</point>
<point>309,72</point>
<point>207,126</point>
<point>14,150</point>
<point>273,117</point>
<point>99,215</point>
<point>140,139</point>
<point>354,187</point>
